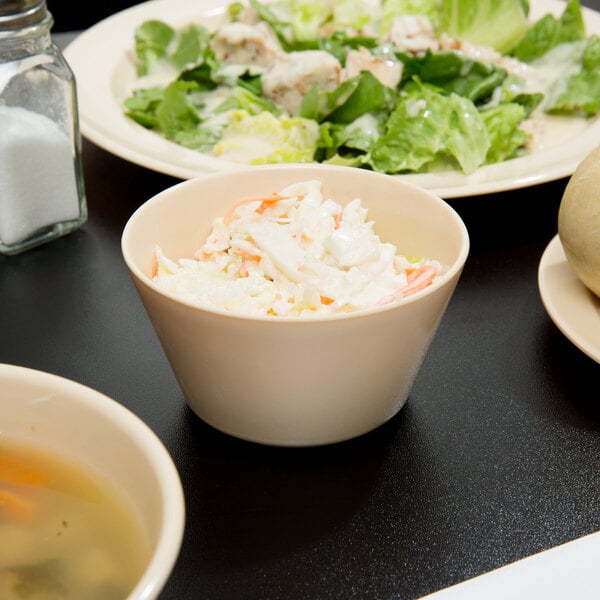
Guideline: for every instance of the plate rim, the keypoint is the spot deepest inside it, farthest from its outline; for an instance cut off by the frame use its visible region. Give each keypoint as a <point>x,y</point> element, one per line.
<point>554,257</point>
<point>172,159</point>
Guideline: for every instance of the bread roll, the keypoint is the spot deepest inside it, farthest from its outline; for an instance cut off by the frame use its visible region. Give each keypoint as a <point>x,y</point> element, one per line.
<point>579,221</point>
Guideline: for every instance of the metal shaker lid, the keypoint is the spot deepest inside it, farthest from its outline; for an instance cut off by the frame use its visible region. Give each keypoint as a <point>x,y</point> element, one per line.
<point>18,14</point>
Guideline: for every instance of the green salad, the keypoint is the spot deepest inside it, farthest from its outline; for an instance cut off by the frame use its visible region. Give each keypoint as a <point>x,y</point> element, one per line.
<point>396,86</point>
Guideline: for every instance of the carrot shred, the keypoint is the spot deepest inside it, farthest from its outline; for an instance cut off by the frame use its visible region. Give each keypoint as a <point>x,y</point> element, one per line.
<point>266,201</point>
<point>200,255</point>
<point>243,270</point>
<point>419,280</point>
<point>16,471</point>
<point>337,218</point>
<point>325,300</point>
<point>14,507</point>
<point>247,255</point>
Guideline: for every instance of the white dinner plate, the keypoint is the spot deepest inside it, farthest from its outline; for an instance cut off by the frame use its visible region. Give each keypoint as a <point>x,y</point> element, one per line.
<point>574,309</point>
<point>102,59</point>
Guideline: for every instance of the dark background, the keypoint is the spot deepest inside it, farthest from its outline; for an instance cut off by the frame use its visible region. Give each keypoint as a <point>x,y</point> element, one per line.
<point>66,18</point>
<point>494,457</point>
<point>69,16</point>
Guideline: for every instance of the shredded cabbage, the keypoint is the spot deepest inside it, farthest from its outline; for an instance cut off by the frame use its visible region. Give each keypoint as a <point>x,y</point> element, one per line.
<point>294,253</point>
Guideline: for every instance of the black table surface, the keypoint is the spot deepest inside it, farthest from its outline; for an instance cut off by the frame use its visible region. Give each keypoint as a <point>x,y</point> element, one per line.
<point>494,457</point>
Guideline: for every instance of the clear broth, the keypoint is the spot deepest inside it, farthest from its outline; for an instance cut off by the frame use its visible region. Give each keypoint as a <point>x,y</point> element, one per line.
<point>65,532</point>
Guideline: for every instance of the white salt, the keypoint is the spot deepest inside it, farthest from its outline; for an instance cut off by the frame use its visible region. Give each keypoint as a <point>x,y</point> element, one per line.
<point>37,175</point>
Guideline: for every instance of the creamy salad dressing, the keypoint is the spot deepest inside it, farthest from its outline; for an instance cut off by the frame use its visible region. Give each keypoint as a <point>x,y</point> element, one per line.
<point>295,253</point>
<point>366,123</point>
<point>230,73</point>
<point>549,74</point>
<point>161,74</point>
<point>212,100</point>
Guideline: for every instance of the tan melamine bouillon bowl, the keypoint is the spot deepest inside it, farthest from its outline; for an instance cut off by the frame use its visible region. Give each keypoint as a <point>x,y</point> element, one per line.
<point>94,432</point>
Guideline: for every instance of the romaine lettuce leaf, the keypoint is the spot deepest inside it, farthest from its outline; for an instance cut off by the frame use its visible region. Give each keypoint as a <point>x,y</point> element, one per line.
<point>529,102</point>
<point>339,43</point>
<point>142,104</point>
<point>155,40</point>
<point>299,25</point>
<point>294,20</point>
<point>569,77</point>
<point>427,124</point>
<point>398,8</point>
<point>266,138</point>
<point>454,72</point>
<point>281,27</point>
<point>176,112</point>
<point>506,137</point>
<point>200,138</point>
<point>202,75</point>
<point>581,92</point>
<point>362,134</point>
<point>370,96</point>
<point>307,18</point>
<point>353,98</point>
<point>548,32</point>
<point>170,110</point>
<point>357,14</point>
<point>152,38</point>
<point>513,90</point>
<point>243,99</point>
<point>252,83</point>
<point>499,24</point>
<point>193,43</point>
<point>352,143</point>
<point>345,161</point>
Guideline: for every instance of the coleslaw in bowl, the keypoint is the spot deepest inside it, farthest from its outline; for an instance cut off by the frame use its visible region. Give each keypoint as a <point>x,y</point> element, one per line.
<point>295,252</point>
<point>287,380</point>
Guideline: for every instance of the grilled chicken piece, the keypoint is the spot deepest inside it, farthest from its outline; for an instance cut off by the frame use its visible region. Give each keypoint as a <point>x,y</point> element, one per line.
<point>246,44</point>
<point>388,71</point>
<point>289,78</point>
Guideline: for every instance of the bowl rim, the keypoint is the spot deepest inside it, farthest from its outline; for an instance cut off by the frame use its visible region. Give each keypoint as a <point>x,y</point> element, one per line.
<point>161,196</point>
<point>170,534</point>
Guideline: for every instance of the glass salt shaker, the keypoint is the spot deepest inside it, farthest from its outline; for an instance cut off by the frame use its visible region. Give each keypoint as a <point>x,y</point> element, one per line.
<point>42,192</point>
